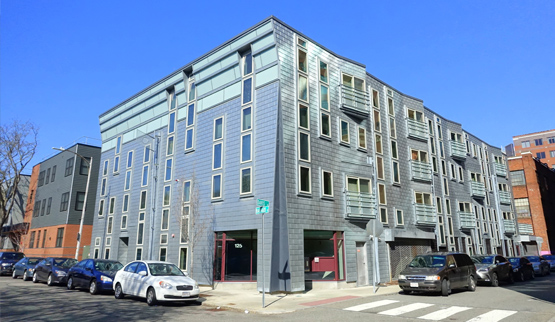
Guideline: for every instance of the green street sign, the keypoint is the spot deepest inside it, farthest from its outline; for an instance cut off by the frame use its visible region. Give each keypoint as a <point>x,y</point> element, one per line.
<point>262,210</point>
<point>262,203</point>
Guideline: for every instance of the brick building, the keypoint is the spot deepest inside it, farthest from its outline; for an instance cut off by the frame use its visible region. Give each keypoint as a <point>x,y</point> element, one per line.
<point>540,144</point>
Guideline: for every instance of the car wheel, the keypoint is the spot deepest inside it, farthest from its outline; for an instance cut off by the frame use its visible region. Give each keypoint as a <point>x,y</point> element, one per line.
<point>471,284</point>
<point>92,288</point>
<point>118,292</point>
<point>511,278</point>
<point>150,297</point>
<point>14,275</point>
<point>35,278</point>
<point>25,277</point>
<point>494,280</point>
<point>70,285</point>
<point>49,281</point>
<point>445,288</point>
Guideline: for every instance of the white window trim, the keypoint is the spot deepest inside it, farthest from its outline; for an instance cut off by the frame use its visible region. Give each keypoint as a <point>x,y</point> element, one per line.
<point>243,81</point>
<point>323,183</point>
<point>130,180</point>
<point>318,61</point>
<point>382,177</point>
<point>320,96</point>
<point>101,208</point>
<point>322,127</point>
<point>162,219</point>
<point>97,241</point>
<point>110,212</point>
<point>385,194</point>
<point>146,152</point>
<point>160,253</point>
<point>136,251</point>
<point>223,127</point>
<point>164,194</point>
<point>140,196</point>
<point>108,241</point>
<point>119,142</point>
<point>123,203</point>
<point>251,117</point>
<point>167,145</point>
<point>301,74</point>
<point>186,262</point>
<point>219,142</point>
<point>372,90</point>
<point>241,151</point>
<point>143,184</point>
<point>174,118</point>
<point>300,48</point>
<point>376,143</point>
<point>110,228</point>
<point>365,147</point>
<point>397,224</point>
<point>221,186</point>
<point>310,179</point>
<point>121,223</point>
<point>166,167</point>
<point>393,173</point>
<point>162,243</point>
<point>299,116</point>
<point>299,145</point>
<point>386,222</point>
<point>341,121</point>
<point>241,181</point>
<point>132,152</point>
<point>116,164</point>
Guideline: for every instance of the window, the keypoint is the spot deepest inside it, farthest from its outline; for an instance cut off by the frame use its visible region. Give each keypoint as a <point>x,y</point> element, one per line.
<point>246,181</point>
<point>165,219</point>
<point>79,201</point>
<point>383,215</point>
<point>59,237</point>
<point>112,206</point>
<point>169,145</point>
<point>65,201</point>
<point>247,64</point>
<point>69,166</point>
<point>32,240</point>
<point>552,154</point>
<point>448,207</point>
<point>390,106</point>
<point>217,156</point>
<point>247,90</point>
<point>142,200</point>
<point>127,184</point>
<point>105,167</point>
<point>167,196</point>
<point>443,168</point>
<point>395,166</point>
<point>518,178</point>
<point>138,254</point>
<point>47,179</point>
<point>118,145</point>
<point>187,191</point>
<point>171,121</point>
<point>146,158</point>
<point>439,132</point>
<point>457,137</point>
<point>442,240</point>
<point>129,159</point>
<point>551,140</point>
<point>538,142</point>
<point>399,219</point>
<point>325,126</point>
<point>381,194</point>
<point>445,187</point>
<point>302,61</point>
<point>163,254</point>
<point>163,239</point>
<point>323,72</point>
<point>394,153</point>
<point>101,207</point>
<point>461,174</point>
<point>84,166</point>
<point>110,225</point>
<point>141,228</point>
<point>377,124</point>
<point>216,186</point>
<point>246,118</point>
<point>53,175</point>
<point>361,137</point>
<point>304,180</point>
<point>192,90</point>
<point>107,253</point>
<point>375,98</point>
<point>345,132</point>
<point>540,155</point>
<point>108,241</point>
<point>49,206</point>
<point>304,146</point>
<point>144,180</point>
<point>125,205</point>
<point>304,117</point>
<point>43,208</point>
<point>522,207</point>
<point>465,207</point>
<point>392,128</point>
<point>525,144</point>
<point>378,143</point>
<point>185,224</point>
<point>423,198</point>
<point>476,177</point>
<point>303,88</point>
<point>116,164</point>
<point>246,147</point>
<point>327,183</point>
<point>438,204</point>
<point>189,132</point>
<point>168,175</point>
<point>453,171</point>
<point>380,168</point>
<point>415,115</point>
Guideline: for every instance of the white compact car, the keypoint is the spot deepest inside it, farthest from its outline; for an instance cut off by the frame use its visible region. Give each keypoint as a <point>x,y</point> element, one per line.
<point>155,281</point>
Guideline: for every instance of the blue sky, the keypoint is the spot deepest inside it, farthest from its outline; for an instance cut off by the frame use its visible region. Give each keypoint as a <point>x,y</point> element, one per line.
<point>489,65</point>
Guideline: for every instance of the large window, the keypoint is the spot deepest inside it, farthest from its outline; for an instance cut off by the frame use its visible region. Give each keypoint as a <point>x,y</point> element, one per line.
<point>236,256</point>
<point>60,237</point>
<point>216,186</point>
<point>69,166</point>
<point>84,166</point>
<point>64,201</point>
<point>304,179</point>
<point>324,255</point>
<point>327,183</point>
<point>522,207</point>
<point>79,201</point>
<point>246,180</point>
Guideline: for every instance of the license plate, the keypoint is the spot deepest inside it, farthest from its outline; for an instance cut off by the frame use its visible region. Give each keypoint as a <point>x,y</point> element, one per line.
<point>186,294</point>
<point>413,284</point>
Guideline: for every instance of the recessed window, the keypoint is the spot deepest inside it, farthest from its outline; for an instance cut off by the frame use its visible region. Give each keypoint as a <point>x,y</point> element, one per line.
<point>142,201</point>
<point>169,164</point>
<point>163,239</point>
<point>247,64</point>
<point>216,186</point>
<point>169,145</point>
<point>304,117</point>
<point>325,126</point>
<point>218,128</point>
<point>345,132</point>
<point>399,220</point>
<point>302,61</point>
<point>390,106</point>
<point>103,187</point>
<point>392,128</point>
<point>191,115</point>
<point>144,180</point>
<point>538,142</point>
<point>129,159</point>
<point>323,72</point>
<point>304,146</point>
<point>163,254</point>
<point>167,195</point>
<point>301,42</point>
<point>110,225</point>
<point>127,184</point>
<point>165,219</point>
<point>116,164</point>
<point>125,206</point>
<point>438,204</point>
<point>146,156</point>
<point>423,198</point>
<point>118,145</point>
<point>217,156</point>
<point>415,115</point>
<point>377,124</point>
<point>112,206</point>
<point>380,168</point>
<point>395,166</point>
<point>101,207</point>
<point>247,90</point>
<point>246,118</point>
<point>303,88</point>
<point>383,215</point>
<point>378,143</point>
<point>246,147</point>
<point>382,198</point>
<point>304,179</point>
<point>171,122</point>
<point>246,180</point>
<point>394,152</point>
<point>540,155</point>
<point>327,183</point>
<point>375,98</point>
<point>187,191</point>
<point>361,137</point>
<point>64,201</point>
<point>189,136</point>
<point>324,98</point>
<point>79,202</point>
<point>69,167</point>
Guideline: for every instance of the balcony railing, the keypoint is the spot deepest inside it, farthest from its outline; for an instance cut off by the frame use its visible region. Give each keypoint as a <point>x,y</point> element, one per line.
<point>467,220</point>
<point>510,227</point>
<point>500,169</point>
<point>417,130</point>
<point>425,214</point>
<point>458,150</point>
<point>505,197</point>
<point>355,101</point>
<point>360,205</point>
<point>421,171</point>
<point>525,229</point>
<point>478,189</point>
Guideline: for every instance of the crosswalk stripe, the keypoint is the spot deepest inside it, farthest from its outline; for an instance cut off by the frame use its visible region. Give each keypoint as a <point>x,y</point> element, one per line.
<point>492,316</point>
<point>443,314</point>
<point>406,309</point>
<point>370,305</point>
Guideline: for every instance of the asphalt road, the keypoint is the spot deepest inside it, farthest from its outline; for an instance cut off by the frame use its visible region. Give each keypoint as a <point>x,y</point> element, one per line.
<point>522,301</point>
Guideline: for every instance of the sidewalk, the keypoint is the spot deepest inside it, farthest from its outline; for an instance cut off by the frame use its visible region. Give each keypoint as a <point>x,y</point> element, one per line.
<point>251,300</point>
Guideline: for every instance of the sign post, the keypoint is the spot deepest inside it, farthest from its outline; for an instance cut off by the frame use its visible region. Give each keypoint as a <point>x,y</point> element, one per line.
<point>262,207</point>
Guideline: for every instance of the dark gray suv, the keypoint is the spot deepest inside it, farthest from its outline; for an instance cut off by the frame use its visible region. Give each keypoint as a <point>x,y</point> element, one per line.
<point>439,272</point>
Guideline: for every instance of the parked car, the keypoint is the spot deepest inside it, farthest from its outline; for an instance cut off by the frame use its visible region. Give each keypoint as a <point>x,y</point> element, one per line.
<point>522,268</point>
<point>551,260</point>
<point>439,272</point>
<point>94,274</point>
<point>25,267</point>
<point>541,266</point>
<point>155,281</point>
<point>53,270</point>
<point>493,268</point>
<point>7,260</point>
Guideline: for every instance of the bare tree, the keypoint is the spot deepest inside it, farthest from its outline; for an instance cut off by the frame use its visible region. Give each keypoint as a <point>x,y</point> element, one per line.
<point>18,143</point>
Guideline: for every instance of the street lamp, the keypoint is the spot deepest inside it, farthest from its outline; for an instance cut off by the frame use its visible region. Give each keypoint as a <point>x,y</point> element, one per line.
<point>89,162</point>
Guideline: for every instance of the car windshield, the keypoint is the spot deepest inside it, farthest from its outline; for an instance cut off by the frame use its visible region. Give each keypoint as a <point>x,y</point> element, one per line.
<point>482,259</point>
<point>533,258</point>
<point>64,262</point>
<point>428,261</point>
<point>549,257</point>
<point>161,269</point>
<point>13,256</point>
<point>33,261</point>
<point>107,266</point>
<point>514,261</point>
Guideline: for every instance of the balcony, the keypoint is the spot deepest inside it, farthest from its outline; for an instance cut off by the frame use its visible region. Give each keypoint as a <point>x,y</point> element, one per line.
<point>458,150</point>
<point>510,227</point>
<point>467,220</point>
<point>500,169</point>
<point>417,130</point>
<point>425,214</point>
<point>421,171</point>
<point>360,205</point>
<point>505,197</point>
<point>525,229</point>
<point>355,101</point>
<point>478,189</point>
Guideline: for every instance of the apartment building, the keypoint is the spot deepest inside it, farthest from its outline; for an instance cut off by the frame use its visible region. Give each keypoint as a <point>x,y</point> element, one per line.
<point>56,200</point>
<point>534,198</point>
<point>540,144</point>
<point>15,227</point>
<point>273,115</point>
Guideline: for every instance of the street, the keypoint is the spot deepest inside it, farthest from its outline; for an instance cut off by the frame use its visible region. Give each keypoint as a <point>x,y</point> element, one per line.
<point>522,301</point>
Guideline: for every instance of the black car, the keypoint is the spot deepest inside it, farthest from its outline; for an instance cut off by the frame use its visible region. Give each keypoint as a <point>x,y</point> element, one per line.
<point>541,266</point>
<point>492,269</point>
<point>53,270</point>
<point>522,268</point>
<point>94,274</point>
<point>439,272</point>
<point>7,261</point>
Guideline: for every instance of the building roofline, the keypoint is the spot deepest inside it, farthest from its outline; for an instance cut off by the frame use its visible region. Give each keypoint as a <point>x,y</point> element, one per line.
<point>68,148</point>
<point>405,95</point>
<point>533,133</point>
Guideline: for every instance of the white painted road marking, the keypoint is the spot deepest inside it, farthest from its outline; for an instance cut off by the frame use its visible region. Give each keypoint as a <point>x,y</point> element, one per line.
<point>370,305</point>
<point>443,314</point>
<point>406,309</point>
<point>492,316</point>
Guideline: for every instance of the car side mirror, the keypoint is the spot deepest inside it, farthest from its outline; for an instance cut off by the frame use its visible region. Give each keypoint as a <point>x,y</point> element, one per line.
<point>451,265</point>
<point>142,273</point>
